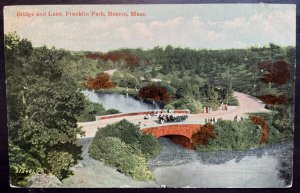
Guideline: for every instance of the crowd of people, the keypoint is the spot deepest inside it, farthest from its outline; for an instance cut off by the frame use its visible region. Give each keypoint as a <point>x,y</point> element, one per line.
<point>210,120</point>
<point>166,116</point>
<point>171,119</point>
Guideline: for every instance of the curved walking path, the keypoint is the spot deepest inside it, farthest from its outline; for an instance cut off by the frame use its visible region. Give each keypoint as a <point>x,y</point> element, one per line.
<point>247,104</point>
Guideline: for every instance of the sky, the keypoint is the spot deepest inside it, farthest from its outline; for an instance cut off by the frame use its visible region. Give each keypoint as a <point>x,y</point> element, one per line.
<point>197,26</point>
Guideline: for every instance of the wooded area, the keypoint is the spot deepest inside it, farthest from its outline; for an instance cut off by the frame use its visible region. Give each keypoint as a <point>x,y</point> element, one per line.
<point>45,101</point>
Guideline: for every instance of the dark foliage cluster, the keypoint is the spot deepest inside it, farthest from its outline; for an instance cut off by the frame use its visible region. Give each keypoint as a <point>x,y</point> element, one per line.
<point>203,136</point>
<point>257,120</point>
<point>122,145</point>
<point>42,103</point>
<point>155,92</point>
<point>277,72</point>
<point>233,135</point>
<point>92,110</point>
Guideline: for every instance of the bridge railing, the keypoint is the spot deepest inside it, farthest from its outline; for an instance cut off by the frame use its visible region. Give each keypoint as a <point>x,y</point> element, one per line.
<point>173,123</point>
<point>178,111</point>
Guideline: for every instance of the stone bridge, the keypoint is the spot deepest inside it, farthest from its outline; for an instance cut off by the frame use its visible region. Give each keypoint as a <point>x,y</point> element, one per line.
<point>247,104</point>
<point>180,133</point>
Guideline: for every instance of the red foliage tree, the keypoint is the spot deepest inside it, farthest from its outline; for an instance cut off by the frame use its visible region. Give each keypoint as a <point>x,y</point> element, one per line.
<point>264,126</point>
<point>92,56</point>
<point>132,60</point>
<point>202,136</point>
<point>157,93</point>
<point>273,99</point>
<point>101,81</point>
<point>277,72</point>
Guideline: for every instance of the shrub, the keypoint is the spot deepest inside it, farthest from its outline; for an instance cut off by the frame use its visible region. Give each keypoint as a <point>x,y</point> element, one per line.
<point>139,168</point>
<point>283,119</point>
<point>150,146</point>
<point>276,136</point>
<point>59,163</point>
<point>90,111</point>
<point>109,150</point>
<point>86,117</point>
<point>124,79</point>
<point>193,105</point>
<point>122,145</point>
<point>233,101</point>
<point>278,132</point>
<point>264,126</point>
<point>177,104</point>
<point>233,135</point>
<point>110,112</point>
<point>112,151</point>
<point>21,165</point>
<point>202,136</point>
<point>124,130</point>
<point>171,90</point>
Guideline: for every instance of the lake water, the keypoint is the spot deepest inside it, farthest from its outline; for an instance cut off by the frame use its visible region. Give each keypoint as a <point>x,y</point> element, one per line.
<point>122,102</point>
<point>179,167</point>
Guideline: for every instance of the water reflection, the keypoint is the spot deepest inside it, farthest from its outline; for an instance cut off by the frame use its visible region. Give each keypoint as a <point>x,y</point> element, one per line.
<point>122,102</point>
<point>180,167</point>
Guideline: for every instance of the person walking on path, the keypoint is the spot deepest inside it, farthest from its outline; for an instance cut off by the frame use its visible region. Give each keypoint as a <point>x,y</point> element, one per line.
<point>226,107</point>
<point>235,118</point>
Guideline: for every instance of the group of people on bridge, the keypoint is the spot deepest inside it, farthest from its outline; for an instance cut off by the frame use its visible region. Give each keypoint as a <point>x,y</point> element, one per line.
<point>166,116</point>
<point>170,118</point>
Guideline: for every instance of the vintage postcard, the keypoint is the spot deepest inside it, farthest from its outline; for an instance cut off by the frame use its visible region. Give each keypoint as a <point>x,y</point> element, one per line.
<point>148,95</point>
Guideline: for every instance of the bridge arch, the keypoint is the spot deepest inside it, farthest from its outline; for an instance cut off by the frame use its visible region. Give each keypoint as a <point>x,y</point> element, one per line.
<point>179,133</point>
<point>181,140</point>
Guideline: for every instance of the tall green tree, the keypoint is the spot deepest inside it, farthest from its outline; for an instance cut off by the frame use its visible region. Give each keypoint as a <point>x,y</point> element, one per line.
<point>42,105</point>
